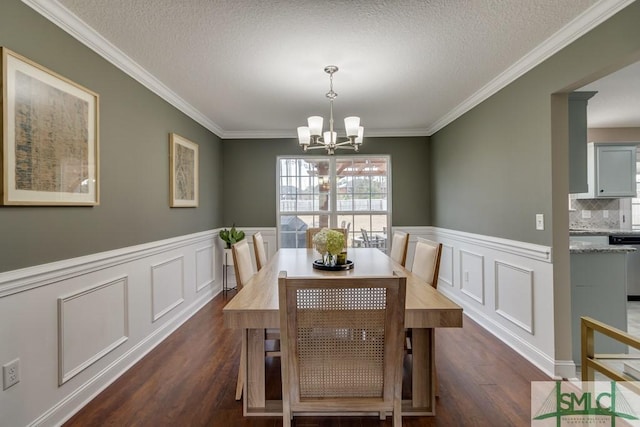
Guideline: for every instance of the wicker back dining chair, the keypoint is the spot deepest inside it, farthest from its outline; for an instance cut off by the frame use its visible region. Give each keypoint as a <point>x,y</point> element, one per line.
<point>426,261</point>
<point>342,345</point>
<point>258,249</point>
<point>314,230</point>
<point>399,247</point>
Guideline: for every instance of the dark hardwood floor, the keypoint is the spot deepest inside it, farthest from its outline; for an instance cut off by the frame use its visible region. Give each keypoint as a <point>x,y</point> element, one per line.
<point>189,380</point>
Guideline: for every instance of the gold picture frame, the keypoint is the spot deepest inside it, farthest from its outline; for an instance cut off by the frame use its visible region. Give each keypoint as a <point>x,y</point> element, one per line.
<point>50,150</point>
<point>183,166</point>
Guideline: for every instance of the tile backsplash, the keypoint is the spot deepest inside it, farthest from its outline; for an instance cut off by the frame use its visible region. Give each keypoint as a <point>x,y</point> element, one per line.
<point>604,213</point>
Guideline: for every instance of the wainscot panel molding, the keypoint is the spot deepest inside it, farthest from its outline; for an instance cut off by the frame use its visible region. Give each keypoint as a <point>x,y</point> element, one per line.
<point>91,323</point>
<point>205,267</point>
<point>504,285</point>
<point>167,286</point>
<point>515,284</point>
<point>472,274</point>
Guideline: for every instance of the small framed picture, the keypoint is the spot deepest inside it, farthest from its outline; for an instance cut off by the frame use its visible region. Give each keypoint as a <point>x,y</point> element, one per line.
<point>183,166</point>
<point>49,136</point>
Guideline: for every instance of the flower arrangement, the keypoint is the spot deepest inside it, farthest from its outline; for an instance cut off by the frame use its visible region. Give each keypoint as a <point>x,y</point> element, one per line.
<point>329,243</point>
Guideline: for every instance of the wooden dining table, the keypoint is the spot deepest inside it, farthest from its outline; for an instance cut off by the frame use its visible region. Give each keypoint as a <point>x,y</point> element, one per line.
<point>255,308</point>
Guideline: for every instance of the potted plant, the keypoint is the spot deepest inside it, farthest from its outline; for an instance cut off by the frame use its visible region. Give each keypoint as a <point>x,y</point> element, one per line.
<point>230,237</point>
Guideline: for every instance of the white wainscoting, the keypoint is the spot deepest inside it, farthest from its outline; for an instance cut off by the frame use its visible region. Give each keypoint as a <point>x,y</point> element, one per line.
<point>504,285</point>
<point>77,325</point>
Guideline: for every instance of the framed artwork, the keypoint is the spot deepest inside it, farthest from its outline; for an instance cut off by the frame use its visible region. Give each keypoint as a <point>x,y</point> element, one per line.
<point>49,136</point>
<point>183,165</point>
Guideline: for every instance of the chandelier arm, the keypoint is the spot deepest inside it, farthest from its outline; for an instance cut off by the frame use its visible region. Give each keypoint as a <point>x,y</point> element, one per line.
<point>314,147</point>
<point>344,143</point>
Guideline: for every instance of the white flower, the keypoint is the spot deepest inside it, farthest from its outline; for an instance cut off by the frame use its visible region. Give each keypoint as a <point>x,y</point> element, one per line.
<point>327,240</point>
<point>320,241</point>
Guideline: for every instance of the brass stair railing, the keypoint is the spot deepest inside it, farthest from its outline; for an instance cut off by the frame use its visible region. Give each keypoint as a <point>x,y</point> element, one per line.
<point>591,361</point>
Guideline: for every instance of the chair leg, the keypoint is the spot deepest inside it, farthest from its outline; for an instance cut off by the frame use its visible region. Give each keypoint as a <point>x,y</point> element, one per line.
<point>287,415</point>
<point>241,370</point>
<point>397,414</point>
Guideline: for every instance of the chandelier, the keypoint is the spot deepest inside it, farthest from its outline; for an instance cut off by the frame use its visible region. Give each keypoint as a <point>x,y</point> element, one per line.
<point>311,137</point>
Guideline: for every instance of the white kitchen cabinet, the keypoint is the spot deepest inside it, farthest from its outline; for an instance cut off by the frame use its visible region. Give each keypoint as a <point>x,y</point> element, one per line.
<point>611,171</point>
<point>578,141</point>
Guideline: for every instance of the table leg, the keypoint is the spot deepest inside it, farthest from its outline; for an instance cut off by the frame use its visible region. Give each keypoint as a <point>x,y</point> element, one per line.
<point>255,370</point>
<point>423,387</point>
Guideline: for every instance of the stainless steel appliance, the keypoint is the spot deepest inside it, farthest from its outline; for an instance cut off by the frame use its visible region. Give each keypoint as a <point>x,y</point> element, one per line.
<point>633,262</point>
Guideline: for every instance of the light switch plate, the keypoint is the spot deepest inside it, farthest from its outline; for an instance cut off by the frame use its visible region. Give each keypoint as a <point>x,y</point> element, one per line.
<point>539,221</point>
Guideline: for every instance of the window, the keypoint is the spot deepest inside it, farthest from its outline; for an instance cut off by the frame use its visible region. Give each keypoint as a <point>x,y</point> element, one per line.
<point>352,192</point>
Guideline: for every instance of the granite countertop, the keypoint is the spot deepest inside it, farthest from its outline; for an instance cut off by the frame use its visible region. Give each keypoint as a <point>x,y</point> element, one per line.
<point>578,247</point>
<point>600,232</point>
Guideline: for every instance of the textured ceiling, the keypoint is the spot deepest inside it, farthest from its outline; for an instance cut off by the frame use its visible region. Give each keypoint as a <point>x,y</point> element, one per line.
<point>250,68</point>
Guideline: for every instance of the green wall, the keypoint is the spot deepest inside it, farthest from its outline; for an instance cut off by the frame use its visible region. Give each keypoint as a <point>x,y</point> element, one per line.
<point>250,178</point>
<point>134,159</point>
<point>492,168</point>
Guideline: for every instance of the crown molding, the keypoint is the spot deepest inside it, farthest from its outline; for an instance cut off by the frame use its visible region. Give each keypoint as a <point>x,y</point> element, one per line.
<point>67,21</point>
<point>593,16</point>
<point>60,16</point>
<point>260,134</point>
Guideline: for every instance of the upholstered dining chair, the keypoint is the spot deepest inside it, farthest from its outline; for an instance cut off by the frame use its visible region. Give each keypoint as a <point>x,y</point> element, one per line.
<point>426,261</point>
<point>341,345</point>
<point>426,265</point>
<point>242,262</point>
<point>399,247</point>
<point>258,249</point>
<point>244,272</point>
<point>272,335</point>
<point>314,230</point>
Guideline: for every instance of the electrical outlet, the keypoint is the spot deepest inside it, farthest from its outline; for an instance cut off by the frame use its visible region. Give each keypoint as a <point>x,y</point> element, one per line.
<point>10,374</point>
<point>539,221</point>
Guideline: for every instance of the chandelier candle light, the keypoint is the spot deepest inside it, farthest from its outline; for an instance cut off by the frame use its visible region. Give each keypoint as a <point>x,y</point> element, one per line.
<point>311,137</point>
